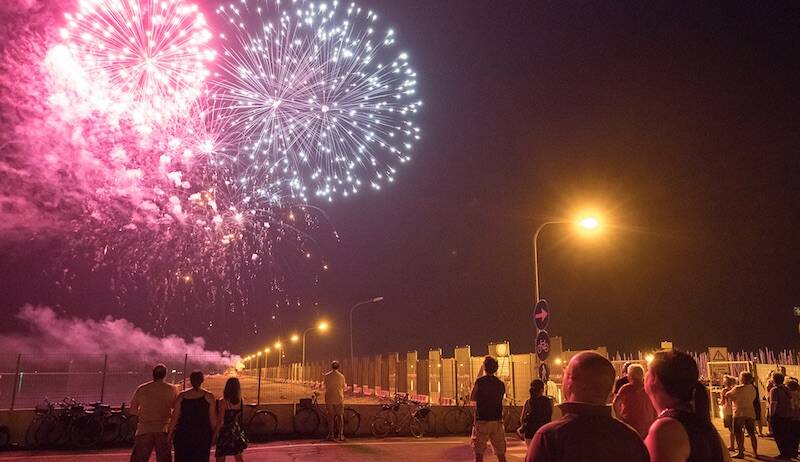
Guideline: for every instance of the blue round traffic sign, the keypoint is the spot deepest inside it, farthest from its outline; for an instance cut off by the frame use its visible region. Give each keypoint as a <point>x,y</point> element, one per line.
<point>541,314</point>
<point>542,346</point>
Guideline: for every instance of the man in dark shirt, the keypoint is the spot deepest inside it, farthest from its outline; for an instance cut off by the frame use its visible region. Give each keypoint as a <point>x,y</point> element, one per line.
<point>488,393</point>
<point>587,431</point>
<point>623,378</point>
<point>780,414</point>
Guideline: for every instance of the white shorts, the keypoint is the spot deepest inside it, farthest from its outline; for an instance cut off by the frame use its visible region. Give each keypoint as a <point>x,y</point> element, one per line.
<point>489,430</point>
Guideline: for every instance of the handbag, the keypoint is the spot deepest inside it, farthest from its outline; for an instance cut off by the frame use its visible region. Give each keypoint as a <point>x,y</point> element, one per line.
<point>240,441</point>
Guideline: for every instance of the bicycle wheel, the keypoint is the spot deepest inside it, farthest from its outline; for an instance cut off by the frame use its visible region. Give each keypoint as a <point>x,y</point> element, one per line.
<point>306,421</point>
<point>115,428</point>
<point>130,434</point>
<point>5,438</point>
<point>510,419</point>
<point>380,426</point>
<point>417,427</point>
<point>52,432</point>
<point>86,431</point>
<point>262,425</point>
<point>31,434</point>
<point>458,421</point>
<point>352,421</point>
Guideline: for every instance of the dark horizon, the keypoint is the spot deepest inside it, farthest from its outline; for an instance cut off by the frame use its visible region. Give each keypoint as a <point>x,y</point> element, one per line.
<point>680,124</point>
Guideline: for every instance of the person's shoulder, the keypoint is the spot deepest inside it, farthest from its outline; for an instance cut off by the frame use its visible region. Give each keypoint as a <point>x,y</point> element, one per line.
<point>145,386</point>
<point>667,428</point>
<point>628,431</point>
<point>625,388</point>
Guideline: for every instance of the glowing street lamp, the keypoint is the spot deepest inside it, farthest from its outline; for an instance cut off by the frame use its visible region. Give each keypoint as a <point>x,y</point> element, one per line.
<point>322,326</point>
<point>365,302</point>
<point>294,338</point>
<point>585,222</point>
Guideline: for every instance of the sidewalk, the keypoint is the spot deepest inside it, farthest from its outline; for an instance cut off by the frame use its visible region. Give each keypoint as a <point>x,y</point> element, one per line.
<point>767,449</point>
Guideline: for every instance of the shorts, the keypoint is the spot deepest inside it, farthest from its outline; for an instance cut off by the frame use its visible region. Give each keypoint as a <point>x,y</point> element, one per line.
<point>748,423</point>
<point>489,430</point>
<point>336,409</point>
<point>727,421</point>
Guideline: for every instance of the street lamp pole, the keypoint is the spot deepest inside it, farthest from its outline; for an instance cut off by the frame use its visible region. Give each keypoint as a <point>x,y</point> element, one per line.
<point>303,360</point>
<point>536,257</point>
<point>365,302</point>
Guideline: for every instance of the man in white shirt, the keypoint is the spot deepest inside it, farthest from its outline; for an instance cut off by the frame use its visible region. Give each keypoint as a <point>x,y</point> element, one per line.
<point>334,399</point>
<point>744,413</point>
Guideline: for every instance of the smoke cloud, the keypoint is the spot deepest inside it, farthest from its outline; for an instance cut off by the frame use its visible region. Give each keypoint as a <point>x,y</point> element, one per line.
<point>49,335</point>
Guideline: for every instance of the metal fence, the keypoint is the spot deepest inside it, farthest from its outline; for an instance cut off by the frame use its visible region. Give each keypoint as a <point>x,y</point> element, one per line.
<point>27,380</point>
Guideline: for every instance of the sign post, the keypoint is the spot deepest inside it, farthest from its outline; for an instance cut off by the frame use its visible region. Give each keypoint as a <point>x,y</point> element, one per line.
<point>541,319</point>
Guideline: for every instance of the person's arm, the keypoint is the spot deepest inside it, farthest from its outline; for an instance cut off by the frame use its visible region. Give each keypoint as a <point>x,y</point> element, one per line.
<point>212,412</point>
<point>220,412</point>
<point>176,414</point>
<point>526,409</point>
<point>667,441</point>
<point>616,404</point>
<point>473,395</point>
<point>134,410</point>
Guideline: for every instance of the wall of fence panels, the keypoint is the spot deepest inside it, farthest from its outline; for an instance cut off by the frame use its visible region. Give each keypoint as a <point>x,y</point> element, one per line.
<point>26,381</point>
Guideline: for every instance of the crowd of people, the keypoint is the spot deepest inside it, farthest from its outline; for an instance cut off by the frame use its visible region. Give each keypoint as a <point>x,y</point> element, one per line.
<point>663,415</point>
<point>194,420</point>
<point>190,421</point>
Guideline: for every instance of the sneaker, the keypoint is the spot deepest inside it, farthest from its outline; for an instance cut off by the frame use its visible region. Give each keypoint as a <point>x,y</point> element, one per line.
<point>739,455</point>
<point>330,438</point>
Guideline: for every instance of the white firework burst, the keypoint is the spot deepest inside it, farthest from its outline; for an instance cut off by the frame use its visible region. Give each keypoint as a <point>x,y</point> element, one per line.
<point>146,56</point>
<point>318,95</point>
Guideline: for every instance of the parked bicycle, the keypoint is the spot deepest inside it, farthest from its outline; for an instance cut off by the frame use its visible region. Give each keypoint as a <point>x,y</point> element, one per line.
<point>261,425</point>
<point>458,420</point>
<point>511,416</point>
<point>310,417</point>
<point>402,414</point>
<point>69,423</point>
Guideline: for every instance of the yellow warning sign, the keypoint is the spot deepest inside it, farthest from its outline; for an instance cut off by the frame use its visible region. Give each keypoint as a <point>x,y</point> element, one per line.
<point>716,354</point>
<point>718,364</point>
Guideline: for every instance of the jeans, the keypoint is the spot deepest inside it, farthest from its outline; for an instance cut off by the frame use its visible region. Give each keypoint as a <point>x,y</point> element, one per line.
<point>143,445</point>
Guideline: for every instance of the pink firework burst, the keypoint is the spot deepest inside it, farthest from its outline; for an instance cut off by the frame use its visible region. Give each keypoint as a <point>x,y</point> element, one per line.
<point>147,56</point>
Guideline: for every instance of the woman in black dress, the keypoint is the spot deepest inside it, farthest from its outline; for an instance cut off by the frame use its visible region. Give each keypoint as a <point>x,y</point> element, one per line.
<point>231,440</point>
<point>194,422</point>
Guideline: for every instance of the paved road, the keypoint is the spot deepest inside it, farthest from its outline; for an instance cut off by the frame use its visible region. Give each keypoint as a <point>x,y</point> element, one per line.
<point>356,450</point>
<point>361,450</point>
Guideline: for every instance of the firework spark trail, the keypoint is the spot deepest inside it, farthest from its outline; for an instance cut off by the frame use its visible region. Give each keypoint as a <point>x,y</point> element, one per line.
<point>317,94</point>
<point>158,206</point>
<point>149,56</point>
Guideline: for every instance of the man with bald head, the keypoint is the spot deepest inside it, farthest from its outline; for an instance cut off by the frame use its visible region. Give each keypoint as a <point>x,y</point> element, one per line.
<point>587,431</point>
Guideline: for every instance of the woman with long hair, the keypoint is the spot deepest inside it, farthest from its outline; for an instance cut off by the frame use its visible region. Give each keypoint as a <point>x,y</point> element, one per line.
<point>683,430</point>
<point>193,422</point>
<point>231,440</point>
<point>537,411</point>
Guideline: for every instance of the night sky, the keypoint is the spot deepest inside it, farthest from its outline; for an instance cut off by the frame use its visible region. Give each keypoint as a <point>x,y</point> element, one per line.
<point>679,122</point>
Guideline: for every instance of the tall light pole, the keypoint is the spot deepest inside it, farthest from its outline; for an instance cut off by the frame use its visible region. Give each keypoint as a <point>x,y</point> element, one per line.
<point>322,327</point>
<point>279,349</point>
<point>365,302</point>
<point>590,223</point>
